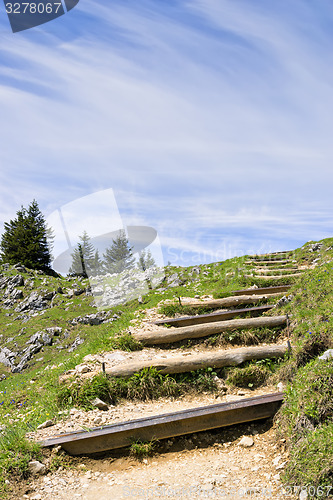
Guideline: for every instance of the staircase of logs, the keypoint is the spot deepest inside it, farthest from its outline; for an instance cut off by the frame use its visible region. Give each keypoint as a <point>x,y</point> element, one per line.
<point>228,316</point>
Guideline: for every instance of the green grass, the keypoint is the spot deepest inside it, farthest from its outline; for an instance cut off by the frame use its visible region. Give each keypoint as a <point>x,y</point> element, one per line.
<point>15,453</point>
<point>142,449</point>
<point>29,398</point>
<point>146,385</point>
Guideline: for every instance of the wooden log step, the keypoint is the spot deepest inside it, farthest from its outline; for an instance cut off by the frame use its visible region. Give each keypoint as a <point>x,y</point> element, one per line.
<point>283,253</point>
<point>269,262</point>
<point>167,425</point>
<point>229,301</point>
<point>190,362</point>
<point>268,291</point>
<point>263,270</point>
<point>169,335</point>
<point>209,318</point>
<point>279,277</point>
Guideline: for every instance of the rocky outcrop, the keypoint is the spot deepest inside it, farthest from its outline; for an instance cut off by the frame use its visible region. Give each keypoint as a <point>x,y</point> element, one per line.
<point>92,319</point>
<point>34,302</point>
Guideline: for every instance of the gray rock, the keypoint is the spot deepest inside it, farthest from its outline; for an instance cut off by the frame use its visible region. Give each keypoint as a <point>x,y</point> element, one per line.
<point>20,268</point>
<point>327,355</point>
<point>76,344</point>
<point>47,340</point>
<point>98,403</point>
<point>91,319</point>
<point>82,368</point>
<point>36,467</point>
<point>34,338</point>
<point>33,303</point>
<point>48,296</point>
<point>16,294</point>
<point>47,423</point>
<point>246,442</point>
<point>54,330</point>
<point>315,247</point>
<point>7,357</point>
<point>284,300</point>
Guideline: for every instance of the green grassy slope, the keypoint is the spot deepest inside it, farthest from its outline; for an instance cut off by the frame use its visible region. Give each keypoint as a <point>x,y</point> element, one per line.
<point>33,396</point>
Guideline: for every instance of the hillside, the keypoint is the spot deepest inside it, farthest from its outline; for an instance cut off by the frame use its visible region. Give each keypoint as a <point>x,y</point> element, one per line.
<point>54,342</point>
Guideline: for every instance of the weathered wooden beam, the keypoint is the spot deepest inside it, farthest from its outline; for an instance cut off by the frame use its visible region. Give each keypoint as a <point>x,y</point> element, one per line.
<point>262,270</point>
<point>267,291</point>
<point>191,362</point>
<point>269,262</point>
<point>168,425</point>
<point>212,317</point>
<point>168,335</point>
<point>283,253</point>
<point>278,277</point>
<point>227,301</point>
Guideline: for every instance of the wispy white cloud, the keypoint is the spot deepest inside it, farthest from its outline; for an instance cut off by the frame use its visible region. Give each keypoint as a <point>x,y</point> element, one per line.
<point>208,114</point>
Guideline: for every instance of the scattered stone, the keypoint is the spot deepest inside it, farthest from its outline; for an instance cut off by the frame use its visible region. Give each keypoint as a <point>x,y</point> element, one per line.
<point>315,247</point>
<point>48,423</point>
<point>246,442</point>
<point>280,387</point>
<point>83,368</point>
<point>7,357</point>
<point>36,467</point>
<point>32,303</point>
<point>78,341</point>
<point>91,319</point>
<point>327,355</point>
<point>284,300</point>
<point>98,403</point>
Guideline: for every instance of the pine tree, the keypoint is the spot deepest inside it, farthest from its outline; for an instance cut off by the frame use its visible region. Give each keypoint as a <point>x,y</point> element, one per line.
<point>82,257</point>
<point>96,266</point>
<point>25,239</point>
<point>146,260</point>
<point>119,256</point>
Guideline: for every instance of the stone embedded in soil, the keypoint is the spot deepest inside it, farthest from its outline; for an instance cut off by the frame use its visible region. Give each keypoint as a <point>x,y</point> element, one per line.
<point>246,442</point>
<point>48,423</point>
<point>36,467</point>
<point>98,403</point>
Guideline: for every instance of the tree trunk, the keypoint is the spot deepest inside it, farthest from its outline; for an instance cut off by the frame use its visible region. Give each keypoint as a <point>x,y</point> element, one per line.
<point>187,363</point>
<point>167,335</point>
<point>230,301</point>
<point>280,276</point>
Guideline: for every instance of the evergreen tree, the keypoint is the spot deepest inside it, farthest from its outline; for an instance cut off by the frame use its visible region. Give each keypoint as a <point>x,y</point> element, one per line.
<point>146,260</point>
<point>118,256</point>
<point>96,266</point>
<point>25,239</point>
<point>82,257</point>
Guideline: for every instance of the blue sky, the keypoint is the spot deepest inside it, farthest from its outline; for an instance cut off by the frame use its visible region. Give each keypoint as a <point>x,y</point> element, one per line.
<point>211,120</point>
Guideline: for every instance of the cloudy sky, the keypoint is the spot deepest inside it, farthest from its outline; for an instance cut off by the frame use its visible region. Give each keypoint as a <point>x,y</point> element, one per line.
<point>211,120</point>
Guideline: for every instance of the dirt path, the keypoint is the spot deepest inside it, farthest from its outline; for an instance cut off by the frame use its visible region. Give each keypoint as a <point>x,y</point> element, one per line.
<point>204,465</point>
<point>243,461</point>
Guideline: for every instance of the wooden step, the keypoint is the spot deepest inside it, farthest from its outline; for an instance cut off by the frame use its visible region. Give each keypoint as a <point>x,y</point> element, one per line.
<point>228,301</point>
<point>189,362</point>
<point>269,262</point>
<point>267,291</point>
<point>263,270</point>
<point>279,277</point>
<point>210,318</point>
<point>167,425</point>
<point>169,335</point>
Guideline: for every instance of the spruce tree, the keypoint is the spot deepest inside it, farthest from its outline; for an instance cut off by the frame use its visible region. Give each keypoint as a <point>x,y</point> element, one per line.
<point>96,266</point>
<point>146,260</point>
<point>118,256</point>
<point>25,239</point>
<point>82,257</point>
